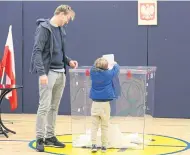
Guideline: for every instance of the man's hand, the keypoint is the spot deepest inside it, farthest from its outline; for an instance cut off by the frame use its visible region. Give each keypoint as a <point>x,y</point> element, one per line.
<point>73,64</point>
<point>44,80</point>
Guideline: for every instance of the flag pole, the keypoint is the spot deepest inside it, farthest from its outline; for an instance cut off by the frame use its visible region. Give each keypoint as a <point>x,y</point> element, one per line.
<point>3,75</point>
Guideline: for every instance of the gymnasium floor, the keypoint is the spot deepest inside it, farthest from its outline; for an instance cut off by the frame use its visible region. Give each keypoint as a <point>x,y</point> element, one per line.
<point>171,136</point>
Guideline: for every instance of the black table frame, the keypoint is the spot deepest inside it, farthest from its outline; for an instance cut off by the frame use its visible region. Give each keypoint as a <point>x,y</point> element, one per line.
<point>3,129</point>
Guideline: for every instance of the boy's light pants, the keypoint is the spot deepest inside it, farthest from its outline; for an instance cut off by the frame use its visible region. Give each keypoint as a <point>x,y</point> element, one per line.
<point>100,113</point>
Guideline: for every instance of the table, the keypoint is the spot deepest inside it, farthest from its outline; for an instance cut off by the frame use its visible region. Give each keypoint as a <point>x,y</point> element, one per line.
<point>4,90</point>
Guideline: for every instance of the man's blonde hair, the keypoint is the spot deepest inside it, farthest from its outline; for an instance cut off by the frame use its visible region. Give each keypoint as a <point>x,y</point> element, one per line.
<point>101,63</point>
<point>66,9</point>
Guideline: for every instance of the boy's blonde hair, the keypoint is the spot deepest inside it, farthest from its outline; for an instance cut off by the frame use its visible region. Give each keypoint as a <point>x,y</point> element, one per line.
<point>66,9</point>
<point>101,63</point>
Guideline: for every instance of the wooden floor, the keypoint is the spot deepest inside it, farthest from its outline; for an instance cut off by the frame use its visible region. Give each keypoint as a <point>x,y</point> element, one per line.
<point>24,125</point>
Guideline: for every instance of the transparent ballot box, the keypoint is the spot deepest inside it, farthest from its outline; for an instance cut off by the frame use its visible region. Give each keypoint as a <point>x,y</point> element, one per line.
<point>135,87</point>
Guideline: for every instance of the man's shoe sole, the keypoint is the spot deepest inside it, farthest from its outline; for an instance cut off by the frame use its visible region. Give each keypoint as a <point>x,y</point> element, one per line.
<point>51,145</point>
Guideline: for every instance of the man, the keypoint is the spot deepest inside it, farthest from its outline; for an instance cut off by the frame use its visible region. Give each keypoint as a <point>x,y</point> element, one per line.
<point>49,61</point>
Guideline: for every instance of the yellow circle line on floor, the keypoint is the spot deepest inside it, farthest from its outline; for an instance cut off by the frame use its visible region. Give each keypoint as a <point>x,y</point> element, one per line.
<point>160,145</point>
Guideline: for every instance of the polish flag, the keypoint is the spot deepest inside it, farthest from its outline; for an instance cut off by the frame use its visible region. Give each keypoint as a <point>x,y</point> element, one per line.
<point>8,67</point>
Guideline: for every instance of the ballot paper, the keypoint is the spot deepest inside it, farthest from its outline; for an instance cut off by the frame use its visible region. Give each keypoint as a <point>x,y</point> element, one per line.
<point>110,59</point>
<point>116,139</point>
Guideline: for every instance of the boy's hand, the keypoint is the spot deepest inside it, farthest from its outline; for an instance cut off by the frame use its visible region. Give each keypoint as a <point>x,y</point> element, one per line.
<point>114,62</point>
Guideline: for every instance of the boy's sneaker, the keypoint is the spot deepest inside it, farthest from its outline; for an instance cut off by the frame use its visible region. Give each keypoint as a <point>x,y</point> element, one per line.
<point>53,141</point>
<point>40,145</point>
<point>103,149</point>
<point>94,148</point>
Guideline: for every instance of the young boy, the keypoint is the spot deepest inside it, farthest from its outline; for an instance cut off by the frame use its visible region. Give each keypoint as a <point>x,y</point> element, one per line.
<point>102,92</point>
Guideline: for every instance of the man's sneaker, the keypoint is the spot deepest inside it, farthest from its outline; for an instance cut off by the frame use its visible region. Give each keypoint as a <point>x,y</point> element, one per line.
<point>94,148</point>
<point>53,142</point>
<point>40,145</point>
<point>103,149</point>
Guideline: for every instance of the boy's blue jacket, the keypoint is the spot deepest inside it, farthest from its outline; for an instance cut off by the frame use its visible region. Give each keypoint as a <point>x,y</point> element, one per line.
<point>105,83</point>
